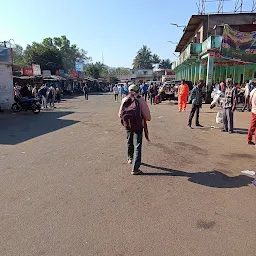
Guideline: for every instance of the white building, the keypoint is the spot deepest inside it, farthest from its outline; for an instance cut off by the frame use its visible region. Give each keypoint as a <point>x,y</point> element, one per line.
<point>6,79</point>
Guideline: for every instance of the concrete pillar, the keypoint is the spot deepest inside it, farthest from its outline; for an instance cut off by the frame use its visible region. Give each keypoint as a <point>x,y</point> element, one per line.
<point>200,71</point>
<point>209,74</point>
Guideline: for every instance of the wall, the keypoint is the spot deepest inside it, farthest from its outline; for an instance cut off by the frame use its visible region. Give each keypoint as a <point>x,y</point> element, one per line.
<point>6,86</point>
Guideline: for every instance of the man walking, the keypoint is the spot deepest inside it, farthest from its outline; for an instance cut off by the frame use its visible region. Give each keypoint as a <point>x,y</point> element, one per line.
<point>183,92</point>
<point>229,107</point>
<point>134,113</point>
<point>86,91</point>
<point>52,96</point>
<point>196,99</point>
<point>252,102</point>
<point>43,95</point>
<point>144,91</point>
<point>247,92</point>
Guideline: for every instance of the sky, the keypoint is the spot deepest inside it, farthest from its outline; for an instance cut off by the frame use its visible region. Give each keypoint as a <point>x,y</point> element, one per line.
<point>116,29</point>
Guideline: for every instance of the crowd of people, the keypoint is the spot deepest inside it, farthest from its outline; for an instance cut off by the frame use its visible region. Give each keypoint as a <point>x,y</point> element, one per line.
<point>134,111</point>
<point>48,94</point>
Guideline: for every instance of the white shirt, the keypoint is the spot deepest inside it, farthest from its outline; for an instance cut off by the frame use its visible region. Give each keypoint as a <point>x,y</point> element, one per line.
<point>247,90</point>
<point>115,90</point>
<point>253,100</point>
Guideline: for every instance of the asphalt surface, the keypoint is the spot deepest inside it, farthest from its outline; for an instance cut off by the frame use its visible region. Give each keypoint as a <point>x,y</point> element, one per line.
<point>66,189</point>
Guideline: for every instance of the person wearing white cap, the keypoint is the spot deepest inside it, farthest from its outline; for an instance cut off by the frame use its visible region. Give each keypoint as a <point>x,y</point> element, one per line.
<point>134,112</point>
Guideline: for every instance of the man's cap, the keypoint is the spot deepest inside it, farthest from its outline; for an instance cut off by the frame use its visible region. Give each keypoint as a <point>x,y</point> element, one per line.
<point>133,88</point>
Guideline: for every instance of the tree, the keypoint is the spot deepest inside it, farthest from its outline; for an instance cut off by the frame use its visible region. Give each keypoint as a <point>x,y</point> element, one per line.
<point>92,70</point>
<point>43,54</point>
<point>120,71</point>
<point>96,70</point>
<point>143,59</point>
<point>165,64</point>
<point>18,57</point>
<point>156,59</point>
<point>69,52</point>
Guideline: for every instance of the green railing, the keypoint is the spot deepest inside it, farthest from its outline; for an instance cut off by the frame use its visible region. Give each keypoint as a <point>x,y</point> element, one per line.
<point>212,42</point>
<point>192,49</point>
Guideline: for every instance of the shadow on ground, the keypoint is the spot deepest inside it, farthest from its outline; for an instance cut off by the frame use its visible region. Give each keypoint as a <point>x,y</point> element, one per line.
<point>213,178</point>
<point>26,126</point>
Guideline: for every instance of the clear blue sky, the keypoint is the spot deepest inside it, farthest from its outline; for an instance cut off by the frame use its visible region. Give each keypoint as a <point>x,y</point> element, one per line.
<point>118,28</point>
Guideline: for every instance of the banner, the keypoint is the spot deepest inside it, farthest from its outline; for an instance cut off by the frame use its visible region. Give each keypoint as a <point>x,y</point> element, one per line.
<point>47,73</point>
<point>239,46</point>
<point>27,72</point>
<point>79,66</point>
<point>36,69</point>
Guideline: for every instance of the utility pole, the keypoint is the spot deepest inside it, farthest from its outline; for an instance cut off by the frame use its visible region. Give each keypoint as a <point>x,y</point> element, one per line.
<point>220,6</point>
<point>238,6</point>
<point>253,5</point>
<point>102,58</point>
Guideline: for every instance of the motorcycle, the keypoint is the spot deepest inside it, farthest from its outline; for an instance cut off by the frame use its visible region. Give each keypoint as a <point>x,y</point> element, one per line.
<point>27,104</point>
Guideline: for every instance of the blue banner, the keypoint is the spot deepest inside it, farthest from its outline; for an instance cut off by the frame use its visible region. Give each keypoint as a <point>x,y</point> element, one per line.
<point>79,66</point>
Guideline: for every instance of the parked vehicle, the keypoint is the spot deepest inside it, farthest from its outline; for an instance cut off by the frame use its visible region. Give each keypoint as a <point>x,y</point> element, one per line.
<point>26,104</point>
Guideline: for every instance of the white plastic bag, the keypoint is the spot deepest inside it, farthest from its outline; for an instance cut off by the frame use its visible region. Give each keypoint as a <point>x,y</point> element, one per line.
<point>219,118</point>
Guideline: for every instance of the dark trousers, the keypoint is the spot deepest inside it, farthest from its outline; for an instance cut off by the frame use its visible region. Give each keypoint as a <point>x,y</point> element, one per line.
<point>228,119</point>
<point>195,110</point>
<point>145,95</point>
<point>116,97</point>
<point>252,128</point>
<point>134,143</point>
<point>86,95</point>
<point>152,99</point>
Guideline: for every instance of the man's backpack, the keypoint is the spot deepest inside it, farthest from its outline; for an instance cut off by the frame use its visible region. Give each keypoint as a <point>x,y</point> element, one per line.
<point>50,95</point>
<point>131,117</point>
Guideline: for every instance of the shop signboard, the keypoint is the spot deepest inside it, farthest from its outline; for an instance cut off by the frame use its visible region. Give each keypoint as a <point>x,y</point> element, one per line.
<point>79,66</point>
<point>36,69</point>
<point>27,72</point>
<point>239,46</point>
<point>47,73</point>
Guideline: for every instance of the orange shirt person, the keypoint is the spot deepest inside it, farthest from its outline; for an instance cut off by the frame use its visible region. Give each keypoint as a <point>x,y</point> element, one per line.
<point>183,93</point>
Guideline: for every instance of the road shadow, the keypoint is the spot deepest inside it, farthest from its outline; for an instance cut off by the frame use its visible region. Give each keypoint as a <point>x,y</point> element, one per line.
<point>241,131</point>
<point>213,178</point>
<point>26,126</point>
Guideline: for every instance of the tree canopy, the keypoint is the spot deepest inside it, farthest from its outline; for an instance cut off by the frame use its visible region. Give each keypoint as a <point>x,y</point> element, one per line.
<point>53,53</point>
<point>165,64</point>
<point>145,59</point>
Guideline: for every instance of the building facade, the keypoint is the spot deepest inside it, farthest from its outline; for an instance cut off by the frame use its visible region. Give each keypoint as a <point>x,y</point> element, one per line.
<point>200,45</point>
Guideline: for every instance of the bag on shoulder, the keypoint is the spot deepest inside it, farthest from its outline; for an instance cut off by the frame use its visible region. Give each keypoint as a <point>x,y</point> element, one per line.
<point>131,117</point>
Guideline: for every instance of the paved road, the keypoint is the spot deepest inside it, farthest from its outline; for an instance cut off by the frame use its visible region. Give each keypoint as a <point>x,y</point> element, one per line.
<point>65,187</point>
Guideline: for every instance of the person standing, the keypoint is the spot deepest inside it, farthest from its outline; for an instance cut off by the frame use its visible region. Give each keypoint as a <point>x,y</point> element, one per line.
<point>86,91</point>
<point>183,92</point>
<point>126,89</point>
<point>52,96</point>
<point>121,91</point>
<point>229,107</point>
<point>144,91</point>
<point>152,93</point>
<point>34,92</point>
<point>43,95</point>
<point>58,94</point>
<point>115,91</point>
<point>252,102</point>
<point>196,99</point>
<point>247,96</point>
<point>134,113</point>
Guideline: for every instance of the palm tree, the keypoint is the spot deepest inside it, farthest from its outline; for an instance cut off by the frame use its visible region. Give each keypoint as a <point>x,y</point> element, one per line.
<point>143,59</point>
<point>156,59</point>
<point>165,64</point>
